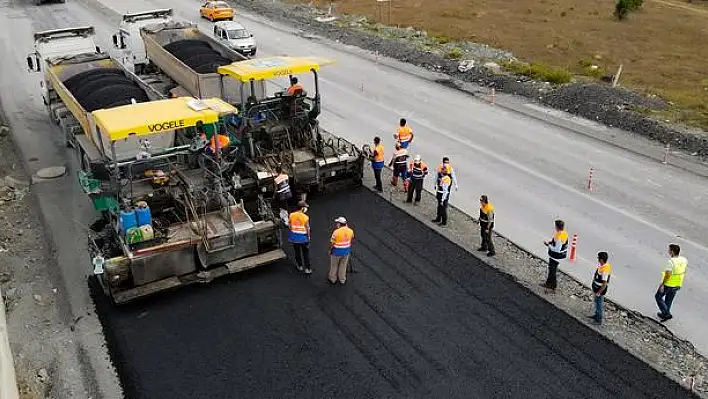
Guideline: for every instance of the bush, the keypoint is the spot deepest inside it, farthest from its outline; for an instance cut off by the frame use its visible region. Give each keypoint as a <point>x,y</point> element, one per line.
<point>623,7</point>
<point>454,54</point>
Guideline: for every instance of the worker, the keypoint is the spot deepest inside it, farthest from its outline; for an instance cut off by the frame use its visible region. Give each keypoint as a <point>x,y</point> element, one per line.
<point>557,251</point>
<point>418,170</point>
<point>223,140</point>
<point>378,162</point>
<point>443,196</point>
<point>486,224</point>
<point>295,87</point>
<point>340,246</point>
<point>282,194</point>
<point>404,135</point>
<point>445,165</point>
<point>399,161</point>
<point>599,285</point>
<point>299,236</point>
<point>672,282</point>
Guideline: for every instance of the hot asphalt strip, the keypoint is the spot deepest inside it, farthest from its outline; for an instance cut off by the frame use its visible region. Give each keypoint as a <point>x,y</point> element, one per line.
<point>420,317</point>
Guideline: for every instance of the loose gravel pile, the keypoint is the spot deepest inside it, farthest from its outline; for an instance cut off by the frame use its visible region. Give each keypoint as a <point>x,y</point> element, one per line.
<point>613,107</point>
<point>420,318</point>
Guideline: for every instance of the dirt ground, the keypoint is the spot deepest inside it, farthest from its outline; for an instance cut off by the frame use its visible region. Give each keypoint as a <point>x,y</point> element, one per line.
<point>40,340</point>
<point>662,47</point>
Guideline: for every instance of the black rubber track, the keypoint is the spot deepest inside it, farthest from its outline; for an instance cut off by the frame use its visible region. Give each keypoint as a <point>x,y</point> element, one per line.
<point>421,318</point>
<point>82,78</point>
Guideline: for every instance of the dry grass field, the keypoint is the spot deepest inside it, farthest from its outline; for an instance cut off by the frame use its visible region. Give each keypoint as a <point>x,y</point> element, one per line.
<point>663,46</point>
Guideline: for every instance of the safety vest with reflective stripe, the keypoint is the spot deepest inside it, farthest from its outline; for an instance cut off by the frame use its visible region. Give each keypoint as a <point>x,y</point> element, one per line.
<point>224,141</point>
<point>484,212</point>
<point>282,186</point>
<point>418,171</point>
<point>558,248</point>
<point>298,227</point>
<point>444,187</point>
<point>400,157</point>
<point>405,135</point>
<point>342,241</point>
<point>597,278</point>
<point>379,157</point>
<point>678,271</point>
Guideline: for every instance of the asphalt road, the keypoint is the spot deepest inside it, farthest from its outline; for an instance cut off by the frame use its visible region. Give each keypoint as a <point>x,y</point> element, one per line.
<point>420,318</point>
<point>533,172</point>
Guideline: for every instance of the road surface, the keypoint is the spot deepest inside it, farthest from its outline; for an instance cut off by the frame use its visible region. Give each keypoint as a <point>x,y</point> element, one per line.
<point>533,172</point>
<point>420,318</point>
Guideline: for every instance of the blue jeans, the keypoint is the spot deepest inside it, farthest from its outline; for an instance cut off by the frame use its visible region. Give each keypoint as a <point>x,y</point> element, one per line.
<point>665,299</point>
<point>599,307</point>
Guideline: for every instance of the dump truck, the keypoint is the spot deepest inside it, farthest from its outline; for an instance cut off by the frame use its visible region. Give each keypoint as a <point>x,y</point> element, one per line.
<point>79,78</point>
<point>163,50</point>
<point>142,154</point>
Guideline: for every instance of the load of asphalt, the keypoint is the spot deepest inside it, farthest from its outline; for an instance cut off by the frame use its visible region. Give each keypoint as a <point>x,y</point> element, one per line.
<point>614,107</point>
<point>419,317</point>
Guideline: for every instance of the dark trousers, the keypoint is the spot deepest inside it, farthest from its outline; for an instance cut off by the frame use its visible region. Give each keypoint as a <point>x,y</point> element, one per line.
<point>665,299</point>
<point>552,280</point>
<point>442,210</point>
<point>416,187</point>
<point>486,234</point>
<point>302,254</point>
<point>377,176</point>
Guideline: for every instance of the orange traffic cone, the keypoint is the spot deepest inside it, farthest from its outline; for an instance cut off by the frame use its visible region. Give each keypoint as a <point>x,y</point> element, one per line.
<point>574,248</point>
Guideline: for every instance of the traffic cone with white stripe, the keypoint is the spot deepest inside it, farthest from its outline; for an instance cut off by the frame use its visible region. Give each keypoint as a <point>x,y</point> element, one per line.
<point>574,248</point>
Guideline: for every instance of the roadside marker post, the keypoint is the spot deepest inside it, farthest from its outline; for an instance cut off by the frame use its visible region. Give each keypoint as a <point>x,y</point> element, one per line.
<point>492,96</point>
<point>574,248</point>
<point>666,154</point>
<point>590,179</point>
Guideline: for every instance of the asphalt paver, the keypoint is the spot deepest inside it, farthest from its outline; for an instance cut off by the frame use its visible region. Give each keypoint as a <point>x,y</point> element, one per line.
<point>419,317</point>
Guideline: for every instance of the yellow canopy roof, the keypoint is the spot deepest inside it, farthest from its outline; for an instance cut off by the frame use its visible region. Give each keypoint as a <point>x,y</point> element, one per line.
<point>267,68</point>
<point>144,119</point>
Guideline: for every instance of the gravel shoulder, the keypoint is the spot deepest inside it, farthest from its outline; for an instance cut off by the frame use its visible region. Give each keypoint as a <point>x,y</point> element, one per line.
<point>47,359</point>
<point>614,107</point>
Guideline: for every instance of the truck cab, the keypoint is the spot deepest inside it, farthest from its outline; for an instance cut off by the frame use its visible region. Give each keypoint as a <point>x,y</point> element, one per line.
<point>60,43</point>
<point>235,36</point>
<point>128,40</point>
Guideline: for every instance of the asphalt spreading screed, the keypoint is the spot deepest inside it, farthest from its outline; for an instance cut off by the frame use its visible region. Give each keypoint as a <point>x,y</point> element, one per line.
<point>420,318</point>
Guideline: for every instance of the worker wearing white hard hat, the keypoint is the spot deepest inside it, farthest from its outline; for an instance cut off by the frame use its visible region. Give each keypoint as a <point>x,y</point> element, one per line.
<point>340,246</point>
<point>416,175</point>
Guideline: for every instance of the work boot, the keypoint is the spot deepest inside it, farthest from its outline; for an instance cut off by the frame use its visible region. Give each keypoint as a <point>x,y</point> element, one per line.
<point>482,249</point>
<point>308,271</point>
<point>491,253</point>
<point>435,220</point>
<point>300,268</point>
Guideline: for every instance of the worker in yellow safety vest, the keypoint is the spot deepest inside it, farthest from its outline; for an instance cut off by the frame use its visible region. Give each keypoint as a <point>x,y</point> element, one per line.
<point>443,196</point>
<point>557,251</point>
<point>299,236</point>
<point>378,162</point>
<point>672,282</point>
<point>399,162</point>
<point>446,166</point>
<point>340,247</point>
<point>599,285</point>
<point>404,135</point>
<point>486,224</point>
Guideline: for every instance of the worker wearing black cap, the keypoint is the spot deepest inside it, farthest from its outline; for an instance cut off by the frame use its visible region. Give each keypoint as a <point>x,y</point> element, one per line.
<point>299,236</point>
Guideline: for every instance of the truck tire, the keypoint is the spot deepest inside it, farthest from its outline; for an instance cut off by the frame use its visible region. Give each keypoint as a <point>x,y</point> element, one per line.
<point>108,80</point>
<point>82,78</point>
<point>114,94</point>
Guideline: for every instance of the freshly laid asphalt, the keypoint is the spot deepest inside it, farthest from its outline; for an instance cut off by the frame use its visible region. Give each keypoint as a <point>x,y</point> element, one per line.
<point>420,318</point>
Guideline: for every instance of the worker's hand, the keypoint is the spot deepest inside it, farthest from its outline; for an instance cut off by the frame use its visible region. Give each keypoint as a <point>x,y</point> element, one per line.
<point>598,293</point>
<point>661,288</point>
<point>457,187</point>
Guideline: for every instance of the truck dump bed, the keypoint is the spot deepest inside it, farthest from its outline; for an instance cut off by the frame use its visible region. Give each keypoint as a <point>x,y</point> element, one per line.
<point>189,57</point>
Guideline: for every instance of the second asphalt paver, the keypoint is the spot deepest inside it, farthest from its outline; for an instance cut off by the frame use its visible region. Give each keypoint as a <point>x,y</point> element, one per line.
<point>420,318</point>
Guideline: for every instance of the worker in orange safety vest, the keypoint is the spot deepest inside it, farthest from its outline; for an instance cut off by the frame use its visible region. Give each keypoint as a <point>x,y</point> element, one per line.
<point>416,174</point>
<point>404,135</point>
<point>378,162</point>
<point>295,87</point>
<point>399,162</point>
<point>340,246</point>
<point>299,236</point>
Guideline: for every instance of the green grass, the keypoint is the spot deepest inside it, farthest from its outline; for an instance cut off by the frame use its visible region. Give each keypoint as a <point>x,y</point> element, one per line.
<point>540,72</point>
